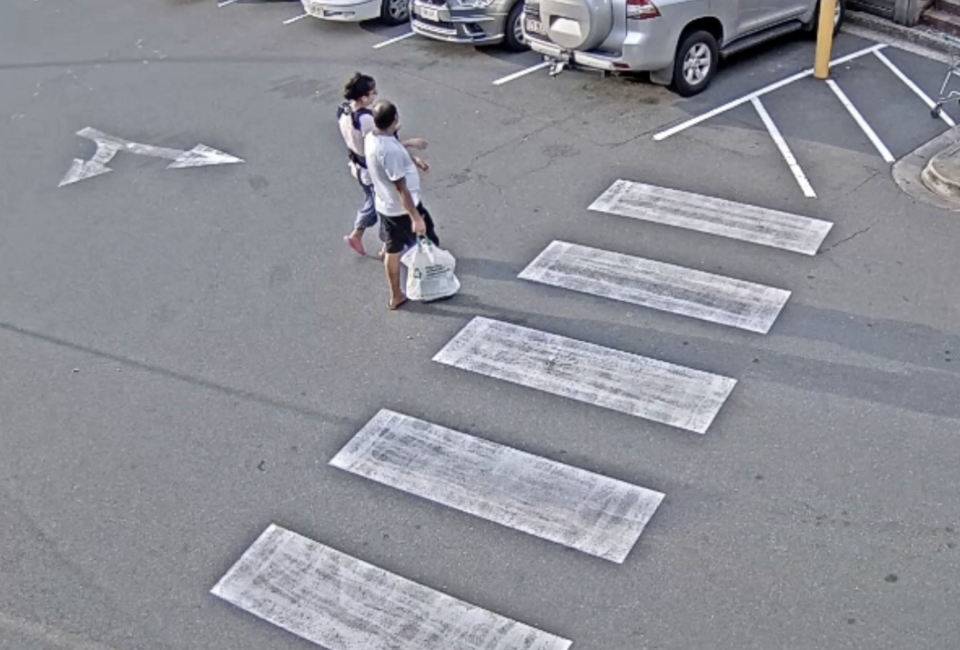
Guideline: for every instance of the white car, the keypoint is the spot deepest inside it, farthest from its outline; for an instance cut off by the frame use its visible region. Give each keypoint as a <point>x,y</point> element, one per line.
<point>392,12</point>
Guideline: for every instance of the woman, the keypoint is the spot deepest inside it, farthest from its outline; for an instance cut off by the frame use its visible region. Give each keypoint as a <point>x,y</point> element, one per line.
<point>356,121</point>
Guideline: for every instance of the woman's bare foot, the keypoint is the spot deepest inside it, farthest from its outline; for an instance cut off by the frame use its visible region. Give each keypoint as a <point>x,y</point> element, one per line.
<point>396,302</point>
<point>356,243</point>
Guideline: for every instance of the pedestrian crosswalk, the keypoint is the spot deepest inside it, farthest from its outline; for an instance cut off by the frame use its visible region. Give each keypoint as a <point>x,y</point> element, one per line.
<point>594,514</point>
<point>647,388</point>
<point>749,223</point>
<point>665,287</point>
<point>340,602</point>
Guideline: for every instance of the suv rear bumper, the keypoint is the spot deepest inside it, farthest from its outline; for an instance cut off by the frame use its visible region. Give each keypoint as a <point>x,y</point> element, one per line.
<point>642,50</point>
<point>472,26</point>
<point>580,58</point>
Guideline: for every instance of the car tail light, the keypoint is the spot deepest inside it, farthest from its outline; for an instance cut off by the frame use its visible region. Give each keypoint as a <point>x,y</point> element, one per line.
<point>642,10</point>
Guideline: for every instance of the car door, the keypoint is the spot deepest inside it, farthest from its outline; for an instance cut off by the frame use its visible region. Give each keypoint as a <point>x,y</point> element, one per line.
<point>780,11</point>
<point>739,17</point>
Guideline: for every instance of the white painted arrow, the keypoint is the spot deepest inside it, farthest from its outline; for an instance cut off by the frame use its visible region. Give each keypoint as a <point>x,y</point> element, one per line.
<point>109,146</point>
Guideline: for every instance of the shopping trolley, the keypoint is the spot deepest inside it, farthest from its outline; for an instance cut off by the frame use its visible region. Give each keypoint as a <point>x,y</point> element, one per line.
<point>945,96</point>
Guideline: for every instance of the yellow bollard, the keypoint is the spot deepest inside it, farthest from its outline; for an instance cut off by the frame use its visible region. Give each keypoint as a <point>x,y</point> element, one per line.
<point>821,68</point>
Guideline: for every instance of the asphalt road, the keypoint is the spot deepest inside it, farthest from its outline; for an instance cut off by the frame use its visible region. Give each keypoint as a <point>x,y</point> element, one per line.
<point>184,350</point>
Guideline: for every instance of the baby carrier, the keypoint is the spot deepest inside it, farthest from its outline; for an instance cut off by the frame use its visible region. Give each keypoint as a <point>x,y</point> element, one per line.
<point>349,122</point>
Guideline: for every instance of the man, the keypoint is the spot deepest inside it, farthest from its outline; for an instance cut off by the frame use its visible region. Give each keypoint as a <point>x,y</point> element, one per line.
<point>396,183</point>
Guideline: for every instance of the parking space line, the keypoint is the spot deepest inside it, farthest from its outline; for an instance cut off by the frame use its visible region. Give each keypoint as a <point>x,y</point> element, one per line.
<point>784,149</point>
<point>912,86</point>
<point>393,40</point>
<point>295,19</point>
<point>224,3</point>
<point>858,118</point>
<point>759,93</point>
<point>524,72</point>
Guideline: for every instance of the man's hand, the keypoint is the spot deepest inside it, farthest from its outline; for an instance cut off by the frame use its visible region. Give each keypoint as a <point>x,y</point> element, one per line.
<point>421,164</point>
<point>415,143</point>
<point>419,225</point>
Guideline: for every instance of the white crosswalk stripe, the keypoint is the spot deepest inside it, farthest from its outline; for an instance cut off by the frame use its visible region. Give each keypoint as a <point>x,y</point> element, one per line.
<point>749,223</point>
<point>657,285</point>
<point>342,603</point>
<point>589,512</point>
<point>647,388</point>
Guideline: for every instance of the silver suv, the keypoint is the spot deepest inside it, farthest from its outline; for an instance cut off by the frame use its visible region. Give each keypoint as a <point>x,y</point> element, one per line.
<point>678,41</point>
<point>478,22</point>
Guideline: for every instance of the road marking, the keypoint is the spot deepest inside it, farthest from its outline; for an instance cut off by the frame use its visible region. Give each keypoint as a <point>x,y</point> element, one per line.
<point>589,512</point>
<point>750,223</point>
<point>394,40</point>
<point>225,3</point>
<point>784,149</point>
<point>665,287</point>
<point>759,93</point>
<point>912,86</point>
<point>522,73</point>
<point>858,118</point>
<point>646,388</point>
<point>295,19</point>
<point>341,603</point>
<point>109,146</point>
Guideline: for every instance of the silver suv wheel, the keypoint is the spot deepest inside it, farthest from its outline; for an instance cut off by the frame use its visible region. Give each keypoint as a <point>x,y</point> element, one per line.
<point>697,64</point>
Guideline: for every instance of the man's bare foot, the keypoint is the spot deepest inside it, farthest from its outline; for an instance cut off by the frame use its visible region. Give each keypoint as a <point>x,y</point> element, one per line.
<point>396,302</point>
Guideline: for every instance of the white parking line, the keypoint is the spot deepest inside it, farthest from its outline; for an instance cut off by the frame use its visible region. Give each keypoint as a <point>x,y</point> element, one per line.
<point>393,40</point>
<point>295,19</point>
<point>912,86</point>
<point>758,93</point>
<point>858,118</point>
<point>784,149</point>
<point>524,72</point>
<point>225,3</point>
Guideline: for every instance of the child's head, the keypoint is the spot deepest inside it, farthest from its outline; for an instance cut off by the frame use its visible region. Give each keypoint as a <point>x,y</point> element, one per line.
<point>360,89</point>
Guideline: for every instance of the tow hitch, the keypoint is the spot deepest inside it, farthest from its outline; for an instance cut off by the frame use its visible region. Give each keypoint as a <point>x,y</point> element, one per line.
<point>557,66</point>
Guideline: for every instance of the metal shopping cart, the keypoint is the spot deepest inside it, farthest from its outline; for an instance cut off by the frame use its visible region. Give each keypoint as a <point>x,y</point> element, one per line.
<point>954,71</point>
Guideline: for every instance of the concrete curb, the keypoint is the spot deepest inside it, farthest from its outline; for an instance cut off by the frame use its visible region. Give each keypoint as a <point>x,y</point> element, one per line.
<point>921,175</point>
<point>920,36</point>
<point>942,174</point>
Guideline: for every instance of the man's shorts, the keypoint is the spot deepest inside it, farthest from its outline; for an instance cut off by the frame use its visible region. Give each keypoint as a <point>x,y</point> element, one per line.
<point>397,232</point>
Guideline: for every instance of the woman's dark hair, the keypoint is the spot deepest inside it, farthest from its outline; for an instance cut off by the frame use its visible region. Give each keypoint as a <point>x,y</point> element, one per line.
<point>359,85</point>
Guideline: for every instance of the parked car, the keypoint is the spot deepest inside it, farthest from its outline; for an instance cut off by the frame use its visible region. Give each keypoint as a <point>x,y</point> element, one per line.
<point>678,41</point>
<point>392,12</point>
<point>478,22</point>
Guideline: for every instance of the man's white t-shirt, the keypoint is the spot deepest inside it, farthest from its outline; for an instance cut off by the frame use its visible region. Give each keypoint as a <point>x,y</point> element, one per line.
<point>388,161</point>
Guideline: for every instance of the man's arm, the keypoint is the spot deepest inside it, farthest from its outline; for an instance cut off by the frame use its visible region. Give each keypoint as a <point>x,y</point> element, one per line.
<point>419,225</point>
<point>415,143</point>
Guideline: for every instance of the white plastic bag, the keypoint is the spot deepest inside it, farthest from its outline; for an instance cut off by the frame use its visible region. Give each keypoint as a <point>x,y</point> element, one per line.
<point>430,272</point>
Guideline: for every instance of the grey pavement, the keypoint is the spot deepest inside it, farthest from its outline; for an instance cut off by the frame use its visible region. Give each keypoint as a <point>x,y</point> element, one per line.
<point>184,351</point>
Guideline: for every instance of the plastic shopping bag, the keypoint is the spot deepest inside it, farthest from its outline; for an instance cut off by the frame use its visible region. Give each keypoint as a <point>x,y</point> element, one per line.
<point>430,272</point>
